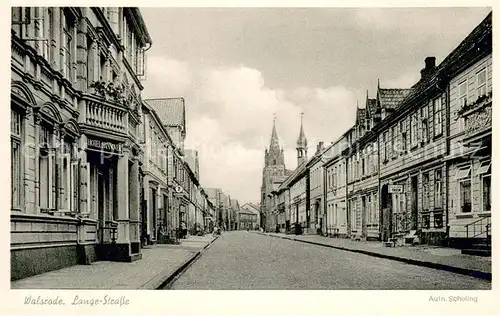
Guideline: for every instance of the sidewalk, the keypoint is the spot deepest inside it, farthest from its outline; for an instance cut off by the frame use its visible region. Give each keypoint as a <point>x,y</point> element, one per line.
<point>448,259</point>
<point>158,263</point>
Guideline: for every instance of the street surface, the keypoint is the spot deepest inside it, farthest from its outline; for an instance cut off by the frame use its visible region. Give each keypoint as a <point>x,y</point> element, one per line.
<point>249,261</point>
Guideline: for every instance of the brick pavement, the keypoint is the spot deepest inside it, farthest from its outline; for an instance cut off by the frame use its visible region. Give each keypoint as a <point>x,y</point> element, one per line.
<point>448,259</point>
<point>158,263</point>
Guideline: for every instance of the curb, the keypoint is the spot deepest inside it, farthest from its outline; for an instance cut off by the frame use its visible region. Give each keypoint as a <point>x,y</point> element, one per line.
<point>428,264</point>
<point>163,281</point>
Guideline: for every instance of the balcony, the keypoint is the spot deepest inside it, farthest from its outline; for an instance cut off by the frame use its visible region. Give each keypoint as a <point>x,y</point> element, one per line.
<point>105,112</point>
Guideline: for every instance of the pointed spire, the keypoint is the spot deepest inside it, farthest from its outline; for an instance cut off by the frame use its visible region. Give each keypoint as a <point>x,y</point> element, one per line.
<point>378,83</point>
<point>302,140</point>
<point>274,136</point>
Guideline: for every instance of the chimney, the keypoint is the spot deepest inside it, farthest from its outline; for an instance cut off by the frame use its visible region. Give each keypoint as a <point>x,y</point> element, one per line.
<point>320,146</point>
<point>430,65</point>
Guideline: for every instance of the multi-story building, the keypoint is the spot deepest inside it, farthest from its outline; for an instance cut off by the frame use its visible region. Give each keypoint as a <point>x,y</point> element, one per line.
<point>363,162</point>
<point>468,166</point>
<point>416,177</point>
<point>157,218</point>
<point>336,190</point>
<point>76,82</point>
<point>317,187</point>
<point>248,220</point>
<point>172,114</point>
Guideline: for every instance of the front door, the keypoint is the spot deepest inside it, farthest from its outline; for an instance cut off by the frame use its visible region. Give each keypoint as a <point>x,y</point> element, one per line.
<point>414,203</point>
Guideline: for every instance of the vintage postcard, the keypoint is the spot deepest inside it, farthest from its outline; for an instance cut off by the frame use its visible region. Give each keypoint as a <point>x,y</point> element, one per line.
<point>249,148</point>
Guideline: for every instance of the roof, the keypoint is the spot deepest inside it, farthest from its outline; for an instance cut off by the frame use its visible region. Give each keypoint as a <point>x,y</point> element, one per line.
<point>360,114</point>
<point>294,175</point>
<point>474,47</point>
<point>391,98</point>
<point>371,107</point>
<point>251,208</point>
<point>302,140</point>
<point>256,207</point>
<point>172,111</point>
<point>274,144</point>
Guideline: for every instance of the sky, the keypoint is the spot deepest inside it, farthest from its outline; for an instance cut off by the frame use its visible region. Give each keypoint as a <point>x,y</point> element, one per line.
<point>238,67</point>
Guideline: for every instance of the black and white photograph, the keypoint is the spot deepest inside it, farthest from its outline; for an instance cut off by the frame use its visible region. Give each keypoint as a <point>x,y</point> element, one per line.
<point>249,148</point>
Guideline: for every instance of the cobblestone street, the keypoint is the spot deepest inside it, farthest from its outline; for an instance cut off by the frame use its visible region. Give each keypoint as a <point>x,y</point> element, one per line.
<point>245,260</point>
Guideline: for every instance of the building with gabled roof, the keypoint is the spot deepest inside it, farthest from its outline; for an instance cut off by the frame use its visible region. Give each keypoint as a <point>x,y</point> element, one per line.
<point>172,112</point>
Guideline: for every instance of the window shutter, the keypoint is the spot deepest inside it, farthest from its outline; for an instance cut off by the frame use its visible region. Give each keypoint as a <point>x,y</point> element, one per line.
<point>85,189</point>
<point>442,111</point>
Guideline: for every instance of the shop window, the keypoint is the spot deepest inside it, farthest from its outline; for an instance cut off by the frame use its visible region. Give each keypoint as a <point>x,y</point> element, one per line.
<point>438,189</point>
<point>438,220</point>
<point>426,221</point>
<point>484,172</point>
<point>464,183</point>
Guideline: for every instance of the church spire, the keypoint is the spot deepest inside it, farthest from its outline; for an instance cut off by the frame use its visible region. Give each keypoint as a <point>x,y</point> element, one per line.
<point>301,143</point>
<point>274,144</point>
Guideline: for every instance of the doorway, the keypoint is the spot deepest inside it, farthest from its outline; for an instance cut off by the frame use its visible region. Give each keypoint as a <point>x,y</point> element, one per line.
<point>414,203</point>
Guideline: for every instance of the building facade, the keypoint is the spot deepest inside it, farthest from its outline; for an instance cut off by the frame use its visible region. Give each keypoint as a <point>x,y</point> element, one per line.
<point>468,166</point>
<point>336,189</point>
<point>75,115</point>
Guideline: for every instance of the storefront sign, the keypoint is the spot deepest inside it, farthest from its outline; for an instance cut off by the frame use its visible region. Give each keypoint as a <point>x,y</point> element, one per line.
<point>104,146</point>
<point>395,188</point>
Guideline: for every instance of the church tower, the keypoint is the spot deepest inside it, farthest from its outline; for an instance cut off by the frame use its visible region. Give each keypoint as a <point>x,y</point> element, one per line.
<point>301,144</point>
<point>273,171</point>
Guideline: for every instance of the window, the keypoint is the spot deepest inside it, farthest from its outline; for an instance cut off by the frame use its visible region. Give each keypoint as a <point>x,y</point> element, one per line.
<point>462,93</point>
<point>426,221</point>
<point>425,191</point>
<point>403,136</point>
<point>16,158</point>
<point>484,173</point>
<point>67,177</point>
<point>414,130</point>
<point>463,177</point>
<point>481,82</point>
<point>363,171</point>
<point>67,44</point>
<point>425,124</point>
<point>438,220</point>
<point>46,169</point>
<point>103,73</point>
<point>438,117</point>
<point>438,189</point>
<point>394,140</point>
<point>386,145</point>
